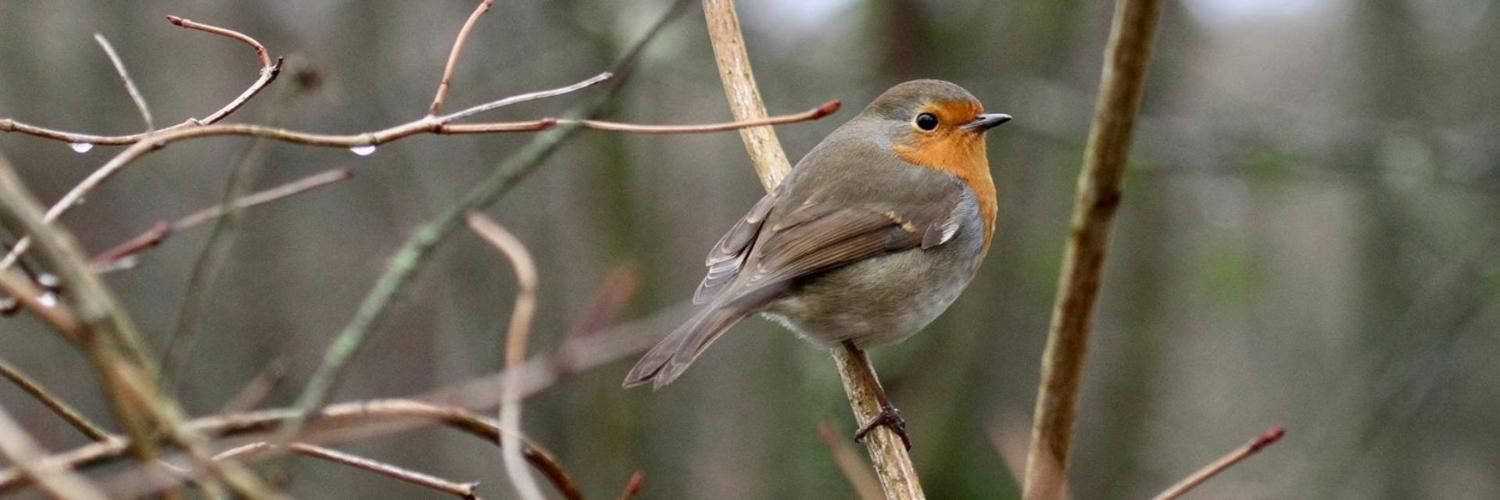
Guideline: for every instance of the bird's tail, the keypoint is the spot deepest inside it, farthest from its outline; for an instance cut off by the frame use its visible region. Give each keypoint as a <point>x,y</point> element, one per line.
<point>674,353</point>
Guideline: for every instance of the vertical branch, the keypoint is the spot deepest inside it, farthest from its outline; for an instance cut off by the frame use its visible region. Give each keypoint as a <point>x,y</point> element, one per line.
<point>745,103</point>
<point>1093,212</point>
<point>898,478</point>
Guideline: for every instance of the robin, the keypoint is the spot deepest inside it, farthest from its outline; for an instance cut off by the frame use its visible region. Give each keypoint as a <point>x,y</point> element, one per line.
<point>872,235</point>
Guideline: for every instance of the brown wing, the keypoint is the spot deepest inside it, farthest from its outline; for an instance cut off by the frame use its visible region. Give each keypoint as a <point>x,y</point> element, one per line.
<point>728,255</point>
<point>815,238</point>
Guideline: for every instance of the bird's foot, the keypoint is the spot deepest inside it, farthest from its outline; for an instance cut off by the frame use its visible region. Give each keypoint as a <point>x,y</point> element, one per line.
<point>890,417</point>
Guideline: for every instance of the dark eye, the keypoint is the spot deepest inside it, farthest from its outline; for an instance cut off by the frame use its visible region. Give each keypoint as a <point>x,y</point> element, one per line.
<point>926,121</point>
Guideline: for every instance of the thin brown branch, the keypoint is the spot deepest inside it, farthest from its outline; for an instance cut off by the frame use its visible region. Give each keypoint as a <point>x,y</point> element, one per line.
<point>821,111</point>
<point>1238,455</point>
<point>52,402</point>
<point>135,93</point>
<point>334,423</point>
<point>458,46</point>
<point>461,490</point>
<point>633,486</point>
<point>1094,208</point>
<point>527,97</point>
<point>161,230</point>
<point>31,462</point>
<point>260,50</point>
<point>266,196</point>
<point>865,485</point>
<point>515,345</point>
<point>898,478</point>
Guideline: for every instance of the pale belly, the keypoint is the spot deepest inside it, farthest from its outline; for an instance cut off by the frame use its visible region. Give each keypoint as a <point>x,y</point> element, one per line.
<point>878,301</point>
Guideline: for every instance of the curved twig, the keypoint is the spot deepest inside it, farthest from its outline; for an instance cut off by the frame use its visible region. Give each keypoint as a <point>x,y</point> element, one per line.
<point>515,344</point>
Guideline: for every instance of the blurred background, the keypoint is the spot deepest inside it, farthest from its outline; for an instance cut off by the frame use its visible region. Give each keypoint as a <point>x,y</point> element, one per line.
<point>1309,234</point>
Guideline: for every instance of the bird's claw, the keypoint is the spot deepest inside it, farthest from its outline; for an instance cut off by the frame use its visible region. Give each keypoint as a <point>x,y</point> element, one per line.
<point>890,417</point>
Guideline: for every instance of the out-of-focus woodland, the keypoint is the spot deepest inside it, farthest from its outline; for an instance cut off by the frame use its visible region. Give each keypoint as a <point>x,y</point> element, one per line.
<point>1310,235</point>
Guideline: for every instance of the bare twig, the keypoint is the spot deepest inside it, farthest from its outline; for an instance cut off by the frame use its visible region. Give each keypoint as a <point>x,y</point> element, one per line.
<point>898,478</point>
<point>336,423</point>
<point>865,485</point>
<point>1093,212</point>
<point>633,486</point>
<point>135,93</point>
<point>262,197</point>
<point>821,111</point>
<point>1238,455</point>
<point>161,230</point>
<point>52,402</point>
<point>461,490</point>
<point>515,345</point>
<point>31,461</point>
<point>458,45</point>
<point>260,50</point>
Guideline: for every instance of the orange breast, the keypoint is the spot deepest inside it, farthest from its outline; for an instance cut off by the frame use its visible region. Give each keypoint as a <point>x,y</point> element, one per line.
<point>962,154</point>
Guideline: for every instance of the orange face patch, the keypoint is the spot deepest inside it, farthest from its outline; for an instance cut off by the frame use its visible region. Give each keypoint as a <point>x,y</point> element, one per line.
<point>957,151</point>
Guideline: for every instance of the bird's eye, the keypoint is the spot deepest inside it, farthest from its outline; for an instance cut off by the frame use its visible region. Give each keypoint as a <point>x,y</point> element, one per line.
<point>926,121</point>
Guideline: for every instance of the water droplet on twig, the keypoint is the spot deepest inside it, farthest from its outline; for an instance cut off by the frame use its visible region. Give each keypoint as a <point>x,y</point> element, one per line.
<point>81,147</point>
<point>365,150</point>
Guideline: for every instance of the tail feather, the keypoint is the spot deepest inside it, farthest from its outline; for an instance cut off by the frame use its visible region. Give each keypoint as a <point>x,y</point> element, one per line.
<point>674,353</point>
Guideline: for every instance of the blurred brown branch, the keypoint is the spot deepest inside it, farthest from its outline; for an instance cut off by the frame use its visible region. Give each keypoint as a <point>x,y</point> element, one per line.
<point>1094,208</point>
<point>1267,438</point>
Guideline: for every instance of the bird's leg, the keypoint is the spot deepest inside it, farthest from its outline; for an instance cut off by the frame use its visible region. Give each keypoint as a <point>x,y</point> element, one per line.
<point>889,416</point>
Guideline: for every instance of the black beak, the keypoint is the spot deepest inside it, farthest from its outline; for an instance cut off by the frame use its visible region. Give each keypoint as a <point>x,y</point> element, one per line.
<point>986,121</point>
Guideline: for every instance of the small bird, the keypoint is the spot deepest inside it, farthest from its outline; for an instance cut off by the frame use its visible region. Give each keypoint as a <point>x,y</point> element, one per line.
<point>872,235</point>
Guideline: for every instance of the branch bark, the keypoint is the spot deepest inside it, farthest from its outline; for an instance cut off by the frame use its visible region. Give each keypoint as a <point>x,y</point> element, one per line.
<point>1094,208</point>
<point>898,478</point>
